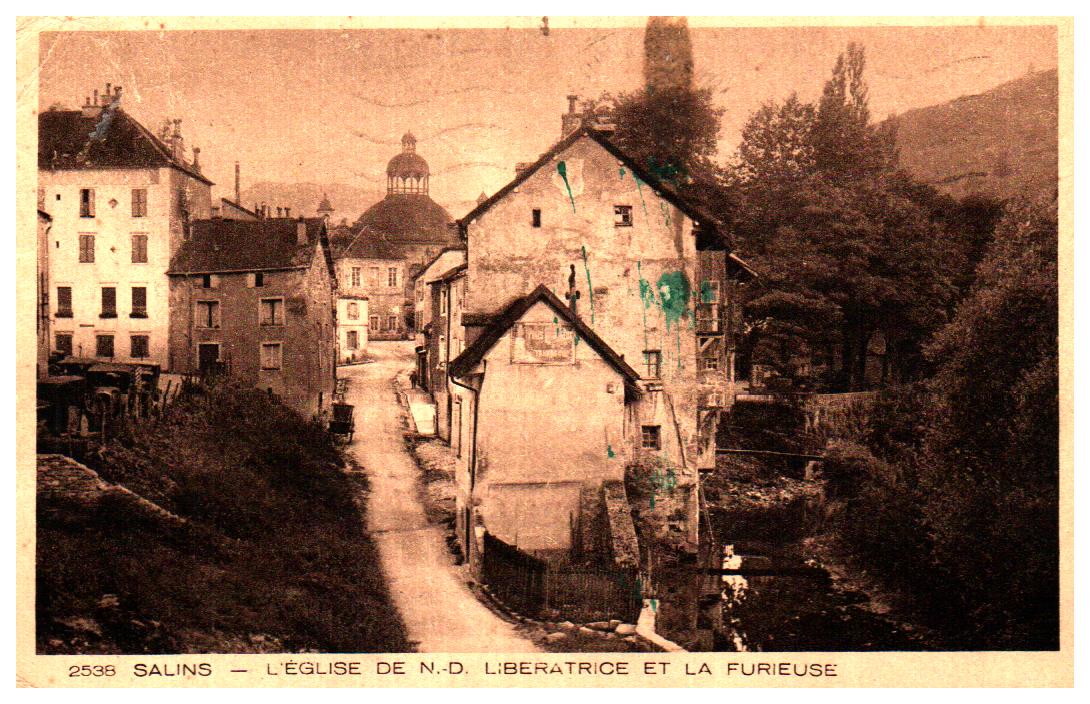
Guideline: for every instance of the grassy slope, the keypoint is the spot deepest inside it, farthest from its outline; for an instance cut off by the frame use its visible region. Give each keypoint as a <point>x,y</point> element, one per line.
<point>277,558</point>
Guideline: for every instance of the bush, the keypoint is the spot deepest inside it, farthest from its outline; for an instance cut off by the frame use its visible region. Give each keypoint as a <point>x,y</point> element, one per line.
<point>277,546</point>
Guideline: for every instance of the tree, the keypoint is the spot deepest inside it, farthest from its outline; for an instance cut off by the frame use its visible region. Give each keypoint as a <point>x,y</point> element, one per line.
<point>777,144</point>
<point>991,467</point>
<point>669,126</point>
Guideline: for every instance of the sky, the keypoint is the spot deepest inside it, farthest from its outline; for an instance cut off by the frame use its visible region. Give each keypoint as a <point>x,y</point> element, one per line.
<point>330,106</point>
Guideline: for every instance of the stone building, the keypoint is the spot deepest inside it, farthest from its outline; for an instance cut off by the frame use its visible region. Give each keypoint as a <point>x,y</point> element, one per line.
<point>43,312</point>
<point>598,338</point>
<point>440,288</point>
<point>255,300</point>
<point>122,200</point>
<point>392,241</point>
<point>352,328</point>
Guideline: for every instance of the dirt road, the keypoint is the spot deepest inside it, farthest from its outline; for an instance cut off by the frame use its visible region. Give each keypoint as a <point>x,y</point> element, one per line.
<point>439,611</point>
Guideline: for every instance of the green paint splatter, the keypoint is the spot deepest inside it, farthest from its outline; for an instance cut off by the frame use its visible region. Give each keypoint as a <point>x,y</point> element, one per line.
<point>639,188</point>
<point>674,294</point>
<point>590,288</point>
<point>621,171</point>
<point>647,295</point>
<point>609,452</point>
<point>707,292</point>
<point>562,169</point>
<point>556,322</point>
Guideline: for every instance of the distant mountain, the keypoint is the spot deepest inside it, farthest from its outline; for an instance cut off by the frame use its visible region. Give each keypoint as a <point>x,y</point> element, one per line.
<point>1000,143</point>
<point>303,198</point>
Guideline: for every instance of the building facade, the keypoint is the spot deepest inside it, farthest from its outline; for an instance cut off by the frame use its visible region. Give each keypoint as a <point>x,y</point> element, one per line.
<point>648,274</point>
<point>43,312</point>
<point>122,201</point>
<point>255,300</point>
<point>352,326</point>
<point>392,241</point>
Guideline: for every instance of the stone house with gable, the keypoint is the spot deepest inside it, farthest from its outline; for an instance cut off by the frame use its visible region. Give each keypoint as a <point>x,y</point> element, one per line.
<point>255,300</point>
<point>597,326</point>
<point>121,200</point>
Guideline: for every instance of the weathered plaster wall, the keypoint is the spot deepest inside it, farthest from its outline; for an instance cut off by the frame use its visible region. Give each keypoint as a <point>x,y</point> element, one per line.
<point>113,227</point>
<point>307,334</point>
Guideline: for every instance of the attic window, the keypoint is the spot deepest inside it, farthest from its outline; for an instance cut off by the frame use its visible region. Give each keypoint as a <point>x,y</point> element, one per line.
<point>535,217</point>
<point>86,202</point>
<point>206,281</point>
<point>622,216</point>
<point>257,279</point>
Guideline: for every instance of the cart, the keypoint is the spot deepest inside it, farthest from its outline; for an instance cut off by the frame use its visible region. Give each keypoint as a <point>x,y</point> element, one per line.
<point>343,425</point>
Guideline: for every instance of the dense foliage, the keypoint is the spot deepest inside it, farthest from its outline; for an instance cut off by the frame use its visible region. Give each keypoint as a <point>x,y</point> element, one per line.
<point>953,491</point>
<point>275,549</point>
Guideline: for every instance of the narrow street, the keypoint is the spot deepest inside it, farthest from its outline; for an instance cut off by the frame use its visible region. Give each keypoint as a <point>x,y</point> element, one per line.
<point>438,609</point>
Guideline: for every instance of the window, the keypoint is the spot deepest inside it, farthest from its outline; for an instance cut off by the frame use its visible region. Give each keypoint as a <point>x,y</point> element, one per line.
<point>652,359</point>
<point>651,437</point>
<point>391,276</point>
<point>271,355</point>
<point>206,281</point>
<point>272,311</point>
<point>86,202</point>
<point>86,249</point>
<point>139,203</point>
<point>62,341</point>
<point>139,249</point>
<point>64,301</point>
<point>139,302</point>
<point>444,301</point>
<point>622,216</point>
<point>372,323</point>
<point>708,317</point>
<point>256,279</point>
<point>353,340</point>
<point>353,310</point>
<point>138,346</point>
<point>709,291</point>
<point>391,322</point>
<point>355,276</point>
<point>109,302</point>
<point>208,314</point>
<point>104,345</point>
<point>535,217</point>
<point>710,350</point>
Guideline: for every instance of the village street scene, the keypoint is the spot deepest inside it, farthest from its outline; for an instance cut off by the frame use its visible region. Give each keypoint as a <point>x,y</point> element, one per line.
<point>657,338</point>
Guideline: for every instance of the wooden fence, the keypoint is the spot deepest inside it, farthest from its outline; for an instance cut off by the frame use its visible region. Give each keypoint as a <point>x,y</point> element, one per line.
<point>578,593</point>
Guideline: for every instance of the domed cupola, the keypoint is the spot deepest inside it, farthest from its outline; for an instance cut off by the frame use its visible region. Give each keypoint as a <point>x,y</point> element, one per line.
<point>408,171</point>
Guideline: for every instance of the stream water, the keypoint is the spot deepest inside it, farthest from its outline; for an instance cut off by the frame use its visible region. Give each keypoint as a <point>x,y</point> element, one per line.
<point>791,604</point>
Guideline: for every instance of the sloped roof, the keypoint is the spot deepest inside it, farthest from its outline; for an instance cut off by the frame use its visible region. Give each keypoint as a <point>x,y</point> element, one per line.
<point>364,245</point>
<point>410,218</point>
<point>666,190</point>
<point>220,246</point>
<point>471,356</point>
<point>114,139</point>
<point>434,260</point>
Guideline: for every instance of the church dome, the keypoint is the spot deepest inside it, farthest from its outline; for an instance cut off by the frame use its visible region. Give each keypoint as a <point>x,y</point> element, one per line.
<point>407,172</point>
<point>409,218</point>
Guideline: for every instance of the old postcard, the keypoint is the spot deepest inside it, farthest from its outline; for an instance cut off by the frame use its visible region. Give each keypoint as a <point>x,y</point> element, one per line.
<point>588,352</point>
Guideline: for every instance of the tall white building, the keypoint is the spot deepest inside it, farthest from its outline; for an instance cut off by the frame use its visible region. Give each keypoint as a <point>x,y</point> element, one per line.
<point>121,199</point>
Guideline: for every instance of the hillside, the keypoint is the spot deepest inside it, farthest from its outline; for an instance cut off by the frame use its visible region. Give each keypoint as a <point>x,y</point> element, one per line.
<point>303,198</point>
<point>1000,143</point>
<point>228,525</point>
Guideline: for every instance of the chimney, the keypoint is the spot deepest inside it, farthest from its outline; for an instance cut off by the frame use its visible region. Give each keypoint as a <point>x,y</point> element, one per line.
<point>278,209</point>
<point>264,212</point>
<point>301,231</point>
<point>197,159</point>
<point>177,144</point>
<point>238,190</point>
<point>107,95</point>
<point>287,212</point>
<point>91,108</point>
<point>571,120</point>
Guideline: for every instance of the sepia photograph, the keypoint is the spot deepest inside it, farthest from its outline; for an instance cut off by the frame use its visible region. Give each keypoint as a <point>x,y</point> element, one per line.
<point>531,336</point>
